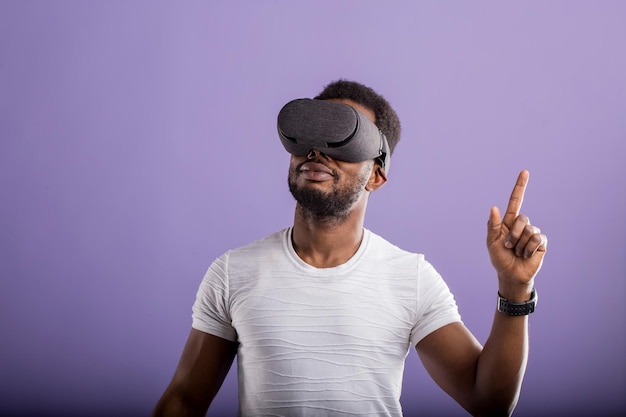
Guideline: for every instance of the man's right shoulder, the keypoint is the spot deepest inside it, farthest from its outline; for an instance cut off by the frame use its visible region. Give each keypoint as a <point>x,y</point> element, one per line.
<point>261,247</point>
<point>239,265</point>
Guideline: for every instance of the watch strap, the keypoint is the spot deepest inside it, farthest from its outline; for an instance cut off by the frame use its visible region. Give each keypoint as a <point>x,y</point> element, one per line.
<point>513,308</point>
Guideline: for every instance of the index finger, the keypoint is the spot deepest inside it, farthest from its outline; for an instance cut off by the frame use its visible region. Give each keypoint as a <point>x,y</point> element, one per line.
<point>516,199</point>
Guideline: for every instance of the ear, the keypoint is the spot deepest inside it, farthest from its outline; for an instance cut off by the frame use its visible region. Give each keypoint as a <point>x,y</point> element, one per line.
<point>378,178</point>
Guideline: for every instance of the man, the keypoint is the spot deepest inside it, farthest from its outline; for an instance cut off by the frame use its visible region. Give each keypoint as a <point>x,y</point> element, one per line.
<point>323,314</point>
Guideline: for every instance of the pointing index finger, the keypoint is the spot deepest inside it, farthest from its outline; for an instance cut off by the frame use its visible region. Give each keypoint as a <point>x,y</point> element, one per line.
<point>516,199</point>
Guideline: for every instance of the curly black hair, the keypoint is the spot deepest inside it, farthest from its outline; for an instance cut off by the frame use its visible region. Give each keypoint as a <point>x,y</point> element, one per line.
<point>386,118</point>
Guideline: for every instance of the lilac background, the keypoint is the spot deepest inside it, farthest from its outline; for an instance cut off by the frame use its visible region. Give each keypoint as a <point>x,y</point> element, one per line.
<point>138,143</point>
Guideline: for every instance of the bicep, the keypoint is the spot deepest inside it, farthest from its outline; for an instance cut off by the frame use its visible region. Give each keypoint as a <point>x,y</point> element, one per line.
<point>203,366</point>
<point>450,355</point>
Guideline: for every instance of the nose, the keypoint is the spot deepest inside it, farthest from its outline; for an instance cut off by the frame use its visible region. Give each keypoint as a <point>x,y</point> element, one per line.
<point>313,153</point>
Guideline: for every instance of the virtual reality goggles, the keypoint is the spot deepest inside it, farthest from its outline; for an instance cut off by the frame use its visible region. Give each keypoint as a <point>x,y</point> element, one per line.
<point>335,129</point>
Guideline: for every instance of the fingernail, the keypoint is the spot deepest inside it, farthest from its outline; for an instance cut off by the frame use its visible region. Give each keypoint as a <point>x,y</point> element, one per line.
<point>508,244</point>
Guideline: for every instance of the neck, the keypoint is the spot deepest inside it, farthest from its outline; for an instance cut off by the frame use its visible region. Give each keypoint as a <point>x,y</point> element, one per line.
<point>328,242</point>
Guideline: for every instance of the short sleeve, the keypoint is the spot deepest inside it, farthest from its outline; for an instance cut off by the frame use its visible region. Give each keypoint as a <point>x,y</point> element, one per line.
<point>211,309</point>
<point>436,305</point>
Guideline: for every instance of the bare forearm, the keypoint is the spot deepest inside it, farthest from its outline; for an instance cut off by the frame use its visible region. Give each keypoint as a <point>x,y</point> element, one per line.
<point>491,376</point>
<point>501,366</point>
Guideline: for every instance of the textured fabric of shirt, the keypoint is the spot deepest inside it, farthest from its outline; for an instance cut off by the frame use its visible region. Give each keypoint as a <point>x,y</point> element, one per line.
<point>321,342</point>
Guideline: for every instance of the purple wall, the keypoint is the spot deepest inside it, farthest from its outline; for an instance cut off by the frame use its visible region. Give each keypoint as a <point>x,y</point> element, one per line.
<point>137,143</point>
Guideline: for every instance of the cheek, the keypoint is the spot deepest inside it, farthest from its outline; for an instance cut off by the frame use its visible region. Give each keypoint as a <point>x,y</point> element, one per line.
<point>357,175</point>
<point>293,163</point>
<point>356,168</point>
<point>365,171</point>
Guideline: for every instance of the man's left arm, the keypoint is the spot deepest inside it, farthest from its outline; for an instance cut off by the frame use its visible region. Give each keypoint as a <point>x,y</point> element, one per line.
<point>487,380</point>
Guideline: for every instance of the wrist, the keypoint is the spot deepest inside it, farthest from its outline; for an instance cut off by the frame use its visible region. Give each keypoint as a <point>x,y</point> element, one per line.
<point>516,292</point>
<point>513,308</point>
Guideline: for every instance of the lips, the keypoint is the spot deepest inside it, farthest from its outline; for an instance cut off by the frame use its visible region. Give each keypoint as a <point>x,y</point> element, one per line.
<point>315,171</point>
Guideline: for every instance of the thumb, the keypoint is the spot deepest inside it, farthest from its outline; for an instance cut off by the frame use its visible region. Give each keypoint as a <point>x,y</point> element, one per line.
<point>494,225</point>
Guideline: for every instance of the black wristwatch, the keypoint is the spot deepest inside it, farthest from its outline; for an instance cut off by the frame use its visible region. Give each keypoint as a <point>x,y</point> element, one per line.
<point>513,308</point>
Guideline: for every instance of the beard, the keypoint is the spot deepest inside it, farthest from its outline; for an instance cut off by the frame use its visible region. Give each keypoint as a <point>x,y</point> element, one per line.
<point>333,205</point>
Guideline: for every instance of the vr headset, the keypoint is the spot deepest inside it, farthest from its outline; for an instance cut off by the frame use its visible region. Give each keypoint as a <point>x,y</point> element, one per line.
<point>335,129</point>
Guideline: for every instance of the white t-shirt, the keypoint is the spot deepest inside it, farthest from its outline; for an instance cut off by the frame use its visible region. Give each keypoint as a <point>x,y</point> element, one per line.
<point>321,342</point>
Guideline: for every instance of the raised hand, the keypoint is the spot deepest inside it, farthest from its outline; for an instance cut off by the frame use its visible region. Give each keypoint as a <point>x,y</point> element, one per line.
<point>516,247</point>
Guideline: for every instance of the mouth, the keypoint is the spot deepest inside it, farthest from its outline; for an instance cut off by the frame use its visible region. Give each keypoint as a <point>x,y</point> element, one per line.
<point>315,171</point>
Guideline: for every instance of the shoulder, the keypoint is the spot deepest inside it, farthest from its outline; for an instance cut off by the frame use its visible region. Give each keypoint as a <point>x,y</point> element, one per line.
<point>382,254</point>
<point>394,262</point>
<point>269,243</point>
<point>379,247</point>
<point>257,253</point>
